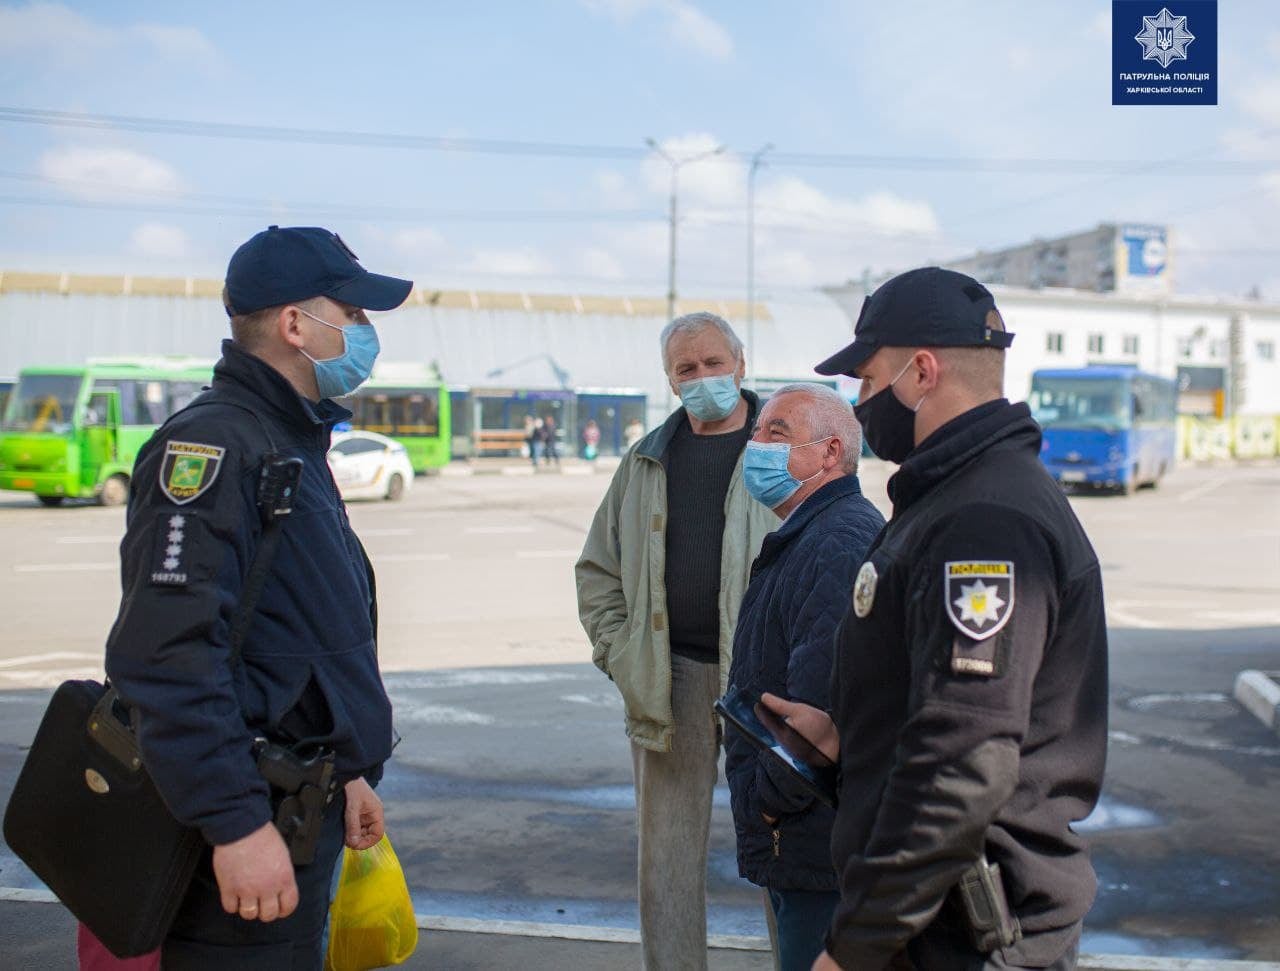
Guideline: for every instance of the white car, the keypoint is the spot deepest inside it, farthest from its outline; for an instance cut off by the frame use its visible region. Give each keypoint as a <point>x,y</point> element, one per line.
<point>367,465</point>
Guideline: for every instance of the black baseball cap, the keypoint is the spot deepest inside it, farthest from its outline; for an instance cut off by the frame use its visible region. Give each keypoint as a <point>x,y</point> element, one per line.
<point>279,266</point>
<point>928,307</point>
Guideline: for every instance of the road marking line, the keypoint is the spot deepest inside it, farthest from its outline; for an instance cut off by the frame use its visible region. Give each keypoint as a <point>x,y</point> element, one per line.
<point>408,557</point>
<point>385,532</point>
<point>17,662</point>
<point>497,530</point>
<point>1192,494</point>
<point>76,540</point>
<point>546,554</point>
<point>1116,612</point>
<point>64,567</point>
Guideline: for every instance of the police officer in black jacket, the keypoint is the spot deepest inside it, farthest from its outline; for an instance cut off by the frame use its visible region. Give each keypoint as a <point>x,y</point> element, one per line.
<point>308,678</point>
<point>969,691</point>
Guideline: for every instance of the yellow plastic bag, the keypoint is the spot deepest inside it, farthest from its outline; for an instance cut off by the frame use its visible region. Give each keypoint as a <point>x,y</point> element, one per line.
<point>371,922</point>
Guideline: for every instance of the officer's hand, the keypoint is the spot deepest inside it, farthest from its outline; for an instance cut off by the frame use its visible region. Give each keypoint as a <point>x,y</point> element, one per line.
<point>813,723</point>
<point>255,876</point>
<point>364,815</point>
<point>825,962</point>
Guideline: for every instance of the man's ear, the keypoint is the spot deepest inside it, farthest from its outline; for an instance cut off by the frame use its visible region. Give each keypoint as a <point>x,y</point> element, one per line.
<point>288,325</point>
<point>926,369</point>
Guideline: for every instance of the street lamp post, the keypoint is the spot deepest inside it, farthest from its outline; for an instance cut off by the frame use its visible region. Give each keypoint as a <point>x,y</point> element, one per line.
<point>675,164</point>
<point>756,160</point>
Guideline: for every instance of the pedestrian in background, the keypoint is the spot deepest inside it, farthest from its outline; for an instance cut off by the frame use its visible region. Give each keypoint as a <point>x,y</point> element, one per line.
<point>661,575</point>
<point>969,694</point>
<point>801,462</point>
<point>550,445</point>
<point>532,437</point>
<point>590,440</point>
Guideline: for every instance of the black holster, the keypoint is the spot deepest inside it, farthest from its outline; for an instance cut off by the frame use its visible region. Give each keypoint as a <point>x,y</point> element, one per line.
<point>302,787</point>
<point>990,922</point>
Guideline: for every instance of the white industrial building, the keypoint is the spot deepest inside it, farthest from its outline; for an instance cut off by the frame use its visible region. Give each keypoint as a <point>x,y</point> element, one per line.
<point>1208,344</point>
<point>570,347</point>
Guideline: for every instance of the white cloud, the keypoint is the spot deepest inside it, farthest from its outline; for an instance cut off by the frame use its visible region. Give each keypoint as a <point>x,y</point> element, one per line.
<point>599,263</point>
<point>1271,186</point>
<point>106,173</point>
<point>686,25</point>
<point>791,200</point>
<point>718,180</point>
<point>1260,99</point>
<point>693,29</point>
<point>525,261</point>
<point>418,243</point>
<point>1100,25</point>
<point>53,32</point>
<point>159,241</point>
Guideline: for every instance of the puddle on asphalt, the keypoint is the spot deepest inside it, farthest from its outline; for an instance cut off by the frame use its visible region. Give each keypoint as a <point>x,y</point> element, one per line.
<point>1110,815</point>
<point>1110,942</point>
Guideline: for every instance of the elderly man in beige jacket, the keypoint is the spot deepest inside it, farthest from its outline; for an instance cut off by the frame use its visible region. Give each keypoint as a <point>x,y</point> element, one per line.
<point>660,579</point>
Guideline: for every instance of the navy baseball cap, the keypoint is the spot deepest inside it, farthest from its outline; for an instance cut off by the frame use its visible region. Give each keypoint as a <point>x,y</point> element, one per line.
<point>928,307</point>
<point>279,266</point>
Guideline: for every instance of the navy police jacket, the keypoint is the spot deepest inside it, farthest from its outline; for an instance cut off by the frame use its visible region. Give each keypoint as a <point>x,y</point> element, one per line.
<point>799,591</point>
<point>309,667</point>
<point>970,693</point>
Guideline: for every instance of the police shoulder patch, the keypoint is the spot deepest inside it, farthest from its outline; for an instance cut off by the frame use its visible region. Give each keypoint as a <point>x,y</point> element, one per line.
<point>978,595</point>
<point>189,469</point>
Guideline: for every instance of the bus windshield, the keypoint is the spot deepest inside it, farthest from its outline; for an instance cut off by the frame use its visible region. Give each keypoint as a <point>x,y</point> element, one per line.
<point>43,403</point>
<point>1076,403</point>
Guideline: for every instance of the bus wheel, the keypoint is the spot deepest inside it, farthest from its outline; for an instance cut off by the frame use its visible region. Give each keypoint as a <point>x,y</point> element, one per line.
<point>115,491</point>
<point>50,500</point>
<point>395,487</point>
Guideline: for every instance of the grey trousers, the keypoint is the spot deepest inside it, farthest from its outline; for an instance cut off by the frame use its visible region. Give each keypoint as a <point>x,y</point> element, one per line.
<point>673,817</point>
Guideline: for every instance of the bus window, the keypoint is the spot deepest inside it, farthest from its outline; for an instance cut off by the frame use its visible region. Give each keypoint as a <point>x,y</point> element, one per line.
<point>1077,403</point>
<point>181,394</point>
<point>43,403</point>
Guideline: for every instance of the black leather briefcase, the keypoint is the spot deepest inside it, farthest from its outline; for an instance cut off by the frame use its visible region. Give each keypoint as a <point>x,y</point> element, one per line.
<point>88,821</point>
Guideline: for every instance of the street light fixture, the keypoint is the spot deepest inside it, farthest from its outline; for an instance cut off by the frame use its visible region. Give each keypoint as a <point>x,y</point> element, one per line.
<point>676,164</point>
<point>756,161</point>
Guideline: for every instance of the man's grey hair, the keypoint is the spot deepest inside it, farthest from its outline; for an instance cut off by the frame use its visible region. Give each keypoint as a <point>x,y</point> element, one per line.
<point>830,415</point>
<point>691,324</point>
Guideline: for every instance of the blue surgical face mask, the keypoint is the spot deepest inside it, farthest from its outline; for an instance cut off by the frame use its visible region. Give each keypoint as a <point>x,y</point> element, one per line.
<point>341,375</point>
<point>710,399</point>
<point>766,475</point>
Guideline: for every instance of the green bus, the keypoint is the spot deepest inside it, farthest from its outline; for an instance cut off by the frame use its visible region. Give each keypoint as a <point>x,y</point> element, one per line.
<point>409,403</point>
<point>74,432</point>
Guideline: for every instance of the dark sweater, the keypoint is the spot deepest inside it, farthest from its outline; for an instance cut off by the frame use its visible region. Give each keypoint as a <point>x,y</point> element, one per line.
<point>699,468</point>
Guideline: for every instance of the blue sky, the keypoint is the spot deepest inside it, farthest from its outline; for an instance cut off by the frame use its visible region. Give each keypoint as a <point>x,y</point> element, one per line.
<point>1004,79</point>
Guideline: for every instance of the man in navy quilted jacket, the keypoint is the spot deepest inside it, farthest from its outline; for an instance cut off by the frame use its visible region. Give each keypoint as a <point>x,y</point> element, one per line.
<point>801,462</point>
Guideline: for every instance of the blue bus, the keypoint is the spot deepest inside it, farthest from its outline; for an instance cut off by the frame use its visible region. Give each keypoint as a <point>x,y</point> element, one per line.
<point>1106,427</point>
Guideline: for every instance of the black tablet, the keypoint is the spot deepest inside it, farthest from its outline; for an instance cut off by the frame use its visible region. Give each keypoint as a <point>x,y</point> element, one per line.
<point>769,733</point>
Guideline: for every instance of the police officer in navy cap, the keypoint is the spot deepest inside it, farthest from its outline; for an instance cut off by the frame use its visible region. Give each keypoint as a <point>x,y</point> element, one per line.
<point>307,681</point>
<point>969,690</point>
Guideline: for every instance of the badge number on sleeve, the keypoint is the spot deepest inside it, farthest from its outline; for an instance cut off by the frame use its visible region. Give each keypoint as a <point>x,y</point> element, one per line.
<point>189,469</point>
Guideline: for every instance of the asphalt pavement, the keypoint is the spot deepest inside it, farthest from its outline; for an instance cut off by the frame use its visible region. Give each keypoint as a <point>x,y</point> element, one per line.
<point>509,801</point>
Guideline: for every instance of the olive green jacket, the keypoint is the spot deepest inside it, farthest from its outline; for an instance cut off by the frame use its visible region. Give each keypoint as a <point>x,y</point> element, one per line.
<point>621,586</point>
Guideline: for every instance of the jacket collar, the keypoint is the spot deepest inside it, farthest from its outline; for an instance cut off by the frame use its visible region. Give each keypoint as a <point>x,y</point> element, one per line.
<point>958,442</point>
<point>805,513</point>
<point>243,375</point>
<point>654,445</point>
